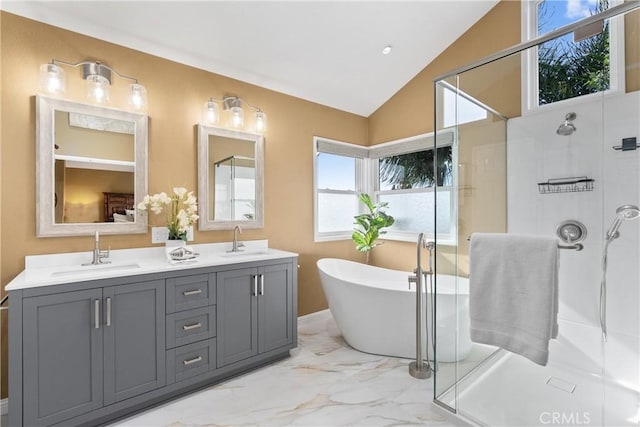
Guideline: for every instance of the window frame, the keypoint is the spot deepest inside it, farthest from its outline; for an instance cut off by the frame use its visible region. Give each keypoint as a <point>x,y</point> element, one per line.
<point>360,178</point>
<point>529,61</point>
<point>411,236</point>
<point>367,181</point>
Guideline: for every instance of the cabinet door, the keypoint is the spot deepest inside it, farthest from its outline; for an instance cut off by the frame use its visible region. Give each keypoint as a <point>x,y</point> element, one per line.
<point>236,315</point>
<point>62,362</point>
<point>134,339</point>
<point>275,311</point>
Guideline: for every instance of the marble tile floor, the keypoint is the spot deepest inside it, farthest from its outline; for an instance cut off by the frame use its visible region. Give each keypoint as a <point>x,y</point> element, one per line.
<point>324,383</point>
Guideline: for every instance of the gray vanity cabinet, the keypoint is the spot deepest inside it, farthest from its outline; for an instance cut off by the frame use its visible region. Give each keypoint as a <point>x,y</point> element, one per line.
<point>255,312</point>
<point>275,308</point>
<point>134,339</point>
<point>88,352</point>
<point>62,356</point>
<point>91,348</point>
<point>237,320</point>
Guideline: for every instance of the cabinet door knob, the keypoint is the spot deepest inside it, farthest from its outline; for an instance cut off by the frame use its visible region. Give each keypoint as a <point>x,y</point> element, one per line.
<point>193,292</point>
<point>190,361</point>
<point>192,326</point>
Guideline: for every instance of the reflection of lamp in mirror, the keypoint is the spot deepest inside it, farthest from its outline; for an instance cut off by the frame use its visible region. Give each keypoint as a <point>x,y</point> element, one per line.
<point>52,79</point>
<point>211,112</point>
<point>97,78</point>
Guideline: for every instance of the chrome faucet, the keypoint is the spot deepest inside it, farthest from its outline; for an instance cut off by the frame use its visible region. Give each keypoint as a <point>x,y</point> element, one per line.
<point>420,369</point>
<point>99,257</point>
<point>236,245</point>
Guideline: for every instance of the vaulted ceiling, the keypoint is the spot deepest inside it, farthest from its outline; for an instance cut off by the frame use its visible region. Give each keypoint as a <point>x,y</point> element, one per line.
<point>329,52</point>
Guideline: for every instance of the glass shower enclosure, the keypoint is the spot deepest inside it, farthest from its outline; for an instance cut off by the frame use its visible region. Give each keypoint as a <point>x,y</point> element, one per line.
<point>526,163</point>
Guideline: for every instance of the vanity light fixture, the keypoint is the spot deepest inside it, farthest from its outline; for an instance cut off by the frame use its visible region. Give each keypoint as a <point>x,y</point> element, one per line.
<point>232,105</point>
<point>98,81</point>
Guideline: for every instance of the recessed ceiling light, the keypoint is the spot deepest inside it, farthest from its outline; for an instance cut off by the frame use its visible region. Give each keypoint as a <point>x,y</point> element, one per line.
<point>387,49</point>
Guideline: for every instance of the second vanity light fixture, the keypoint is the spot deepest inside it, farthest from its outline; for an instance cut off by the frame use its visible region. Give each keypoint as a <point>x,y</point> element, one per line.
<point>98,80</point>
<point>232,105</point>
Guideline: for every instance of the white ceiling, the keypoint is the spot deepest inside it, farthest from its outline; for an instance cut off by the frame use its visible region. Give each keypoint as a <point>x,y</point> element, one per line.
<point>329,52</point>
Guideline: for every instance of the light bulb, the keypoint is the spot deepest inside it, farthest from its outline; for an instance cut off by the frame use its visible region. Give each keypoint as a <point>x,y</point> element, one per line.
<point>211,114</point>
<point>237,117</point>
<point>97,89</point>
<point>52,79</point>
<point>261,122</point>
<point>137,97</point>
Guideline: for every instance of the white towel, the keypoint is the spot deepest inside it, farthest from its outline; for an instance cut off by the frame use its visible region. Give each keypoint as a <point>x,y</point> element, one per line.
<point>513,287</point>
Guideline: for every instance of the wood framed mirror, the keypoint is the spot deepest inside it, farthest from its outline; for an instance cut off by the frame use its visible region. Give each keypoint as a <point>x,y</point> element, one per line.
<point>91,169</point>
<point>230,179</point>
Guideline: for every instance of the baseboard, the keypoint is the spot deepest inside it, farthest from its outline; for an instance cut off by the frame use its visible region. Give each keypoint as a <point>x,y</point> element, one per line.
<point>4,406</point>
<point>314,314</point>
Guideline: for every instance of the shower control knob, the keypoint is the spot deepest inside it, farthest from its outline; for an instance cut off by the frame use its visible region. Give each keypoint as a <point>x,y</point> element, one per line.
<point>571,231</point>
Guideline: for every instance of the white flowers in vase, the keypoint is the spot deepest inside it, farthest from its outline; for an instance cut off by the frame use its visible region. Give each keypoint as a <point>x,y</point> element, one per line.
<point>183,211</point>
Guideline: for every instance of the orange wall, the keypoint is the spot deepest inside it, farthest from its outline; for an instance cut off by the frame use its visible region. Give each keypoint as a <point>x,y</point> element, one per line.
<point>176,96</point>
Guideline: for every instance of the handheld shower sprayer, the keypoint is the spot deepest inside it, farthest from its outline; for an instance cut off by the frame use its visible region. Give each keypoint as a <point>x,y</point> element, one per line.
<point>623,213</point>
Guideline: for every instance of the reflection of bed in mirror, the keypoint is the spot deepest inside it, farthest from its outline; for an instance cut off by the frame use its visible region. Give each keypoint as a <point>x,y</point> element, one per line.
<point>118,207</point>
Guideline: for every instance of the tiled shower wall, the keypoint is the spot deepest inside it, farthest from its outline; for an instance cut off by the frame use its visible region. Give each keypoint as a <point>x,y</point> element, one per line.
<point>535,153</point>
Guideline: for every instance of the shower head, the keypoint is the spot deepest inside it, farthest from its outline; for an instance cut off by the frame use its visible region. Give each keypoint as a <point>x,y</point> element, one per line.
<point>567,128</point>
<point>623,213</point>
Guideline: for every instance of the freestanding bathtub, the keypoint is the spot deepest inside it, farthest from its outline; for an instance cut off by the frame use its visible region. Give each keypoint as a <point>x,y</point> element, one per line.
<point>376,310</point>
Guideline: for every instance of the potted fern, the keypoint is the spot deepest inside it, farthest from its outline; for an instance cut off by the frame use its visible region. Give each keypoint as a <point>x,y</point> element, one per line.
<point>370,225</point>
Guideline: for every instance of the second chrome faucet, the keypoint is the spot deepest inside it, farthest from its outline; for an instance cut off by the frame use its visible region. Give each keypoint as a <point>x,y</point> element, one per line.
<point>236,245</point>
<point>99,257</point>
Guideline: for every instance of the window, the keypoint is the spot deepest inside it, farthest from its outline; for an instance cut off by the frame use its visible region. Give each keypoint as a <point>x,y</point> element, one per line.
<point>400,173</point>
<point>459,108</point>
<point>405,179</point>
<point>338,168</point>
<point>561,69</point>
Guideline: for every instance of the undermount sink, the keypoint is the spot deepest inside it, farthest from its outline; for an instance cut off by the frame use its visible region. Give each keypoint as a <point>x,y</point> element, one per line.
<point>99,268</point>
<point>244,252</point>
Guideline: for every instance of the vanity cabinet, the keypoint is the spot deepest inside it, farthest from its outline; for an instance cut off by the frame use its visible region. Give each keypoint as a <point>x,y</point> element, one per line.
<point>88,352</point>
<point>86,349</point>
<point>63,357</point>
<point>255,312</point>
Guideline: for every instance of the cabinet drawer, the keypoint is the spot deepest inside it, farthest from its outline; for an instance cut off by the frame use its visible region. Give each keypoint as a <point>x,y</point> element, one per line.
<point>188,292</point>
<point>190,360</point>
<point>190,326</point>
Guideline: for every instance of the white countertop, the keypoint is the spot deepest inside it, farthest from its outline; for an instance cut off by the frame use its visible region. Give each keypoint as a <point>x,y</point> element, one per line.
<point>56,269</point>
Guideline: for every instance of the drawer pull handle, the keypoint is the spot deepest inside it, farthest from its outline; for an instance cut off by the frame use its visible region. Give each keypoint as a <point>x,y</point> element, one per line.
<point>262,284</point>
<point>193,292</point>
<point>255,285</point>
<point>194,360</point>
<point>192,326</point>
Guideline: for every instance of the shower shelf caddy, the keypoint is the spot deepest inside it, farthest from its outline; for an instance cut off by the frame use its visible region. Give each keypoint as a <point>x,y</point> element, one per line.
<point>566,185</point>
